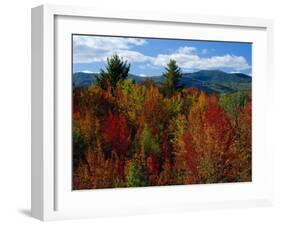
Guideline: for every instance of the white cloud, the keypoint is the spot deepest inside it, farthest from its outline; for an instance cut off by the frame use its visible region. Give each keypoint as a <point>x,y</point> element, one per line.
<point>132,56</point>
<point>89,49</point>
<point>226,61</point>
<point>189,59</point>
<point>107,43</point>
<point>186,50</point>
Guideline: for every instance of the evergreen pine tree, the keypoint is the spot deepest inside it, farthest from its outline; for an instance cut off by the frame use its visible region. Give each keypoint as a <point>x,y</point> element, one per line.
<point>172,76</point>
<point>116,70</point>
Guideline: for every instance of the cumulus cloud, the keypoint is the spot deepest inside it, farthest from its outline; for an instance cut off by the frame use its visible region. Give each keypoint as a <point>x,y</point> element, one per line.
<point>186,50</point>
<point>89,49</point>
<point>132,56</point>
<point>107,43</point>
<point>189,59</point>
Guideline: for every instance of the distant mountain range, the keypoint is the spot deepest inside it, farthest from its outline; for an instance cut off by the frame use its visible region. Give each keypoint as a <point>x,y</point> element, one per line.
<point>210,81</point>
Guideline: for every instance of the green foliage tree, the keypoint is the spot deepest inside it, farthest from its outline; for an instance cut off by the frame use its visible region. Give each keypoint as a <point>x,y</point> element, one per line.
<point>172,76</point>
<point>130,98</point>
<point>232,103</point>
<point>150,144</point>
<point>116,70</point>
<point>135,177</point>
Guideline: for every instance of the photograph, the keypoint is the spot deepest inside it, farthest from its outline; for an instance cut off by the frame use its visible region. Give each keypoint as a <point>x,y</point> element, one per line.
<point>152,111</point>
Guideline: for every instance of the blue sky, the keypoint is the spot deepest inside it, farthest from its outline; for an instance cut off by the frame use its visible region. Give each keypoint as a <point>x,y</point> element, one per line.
<point>148,57</point>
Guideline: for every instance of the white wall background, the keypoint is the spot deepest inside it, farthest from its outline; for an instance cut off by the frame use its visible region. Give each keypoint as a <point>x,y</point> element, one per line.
<point>15,112</point>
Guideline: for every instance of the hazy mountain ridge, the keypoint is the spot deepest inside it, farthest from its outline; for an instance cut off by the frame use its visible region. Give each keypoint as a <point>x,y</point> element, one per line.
<point>210,81</point>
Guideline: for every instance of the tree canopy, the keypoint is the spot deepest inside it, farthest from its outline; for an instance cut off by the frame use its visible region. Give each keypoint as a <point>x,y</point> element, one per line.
<point>116,69</point>
<point>172,76</point>
<point>132,135</point>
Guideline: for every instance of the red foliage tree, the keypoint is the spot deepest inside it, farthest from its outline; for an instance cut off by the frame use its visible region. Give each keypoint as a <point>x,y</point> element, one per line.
<point>220,136</point>
<point>116,133</point>
<point>152,164</point>
<point>192,159</point>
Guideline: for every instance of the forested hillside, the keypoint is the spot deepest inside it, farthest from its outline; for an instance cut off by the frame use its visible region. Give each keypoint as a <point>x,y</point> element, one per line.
<point>210,81</point>
<point>128,134</point>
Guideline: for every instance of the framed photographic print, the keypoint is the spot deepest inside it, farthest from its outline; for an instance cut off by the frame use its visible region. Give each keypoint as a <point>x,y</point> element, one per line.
<point>138,112</point>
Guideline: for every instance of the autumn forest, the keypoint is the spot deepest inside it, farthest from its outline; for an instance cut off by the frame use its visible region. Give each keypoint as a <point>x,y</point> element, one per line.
<point>128,134</point>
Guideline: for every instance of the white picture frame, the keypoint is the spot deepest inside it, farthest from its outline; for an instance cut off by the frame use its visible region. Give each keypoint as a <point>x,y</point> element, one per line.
<point>52,198</point>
